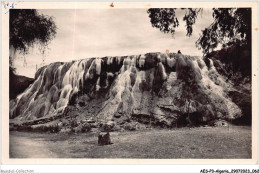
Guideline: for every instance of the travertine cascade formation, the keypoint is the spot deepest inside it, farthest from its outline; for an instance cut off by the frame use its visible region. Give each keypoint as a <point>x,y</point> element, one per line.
<point>141,87</point>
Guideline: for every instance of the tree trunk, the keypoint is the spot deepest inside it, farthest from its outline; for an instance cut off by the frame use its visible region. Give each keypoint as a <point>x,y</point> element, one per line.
<point>12,52</point>
<point>12,55</point>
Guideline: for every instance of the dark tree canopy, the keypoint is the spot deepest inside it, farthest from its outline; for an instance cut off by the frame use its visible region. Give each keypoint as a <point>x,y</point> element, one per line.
<point>27,28</point>
<point>230,25</point>
<point>165,19</point>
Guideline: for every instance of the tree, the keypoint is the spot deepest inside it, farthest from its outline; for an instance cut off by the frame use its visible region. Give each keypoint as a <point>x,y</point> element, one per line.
<point>27,28</point>
<point>230,25</point>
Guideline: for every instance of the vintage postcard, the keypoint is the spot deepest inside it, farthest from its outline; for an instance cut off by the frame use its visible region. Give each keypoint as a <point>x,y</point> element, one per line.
<point>129,82</point>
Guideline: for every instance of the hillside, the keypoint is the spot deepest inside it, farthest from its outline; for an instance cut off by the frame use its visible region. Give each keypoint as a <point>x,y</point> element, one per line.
<point>155,89</point>
<point>18,84</point>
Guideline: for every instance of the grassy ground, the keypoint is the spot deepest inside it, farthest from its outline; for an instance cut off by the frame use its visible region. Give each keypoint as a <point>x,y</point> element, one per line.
<point>210,143</point>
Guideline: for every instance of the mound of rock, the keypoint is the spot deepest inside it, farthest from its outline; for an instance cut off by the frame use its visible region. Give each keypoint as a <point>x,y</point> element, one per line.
<point>156,89</point>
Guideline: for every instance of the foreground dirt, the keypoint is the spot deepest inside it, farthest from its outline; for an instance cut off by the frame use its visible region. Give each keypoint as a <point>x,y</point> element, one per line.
<point>210,143</point>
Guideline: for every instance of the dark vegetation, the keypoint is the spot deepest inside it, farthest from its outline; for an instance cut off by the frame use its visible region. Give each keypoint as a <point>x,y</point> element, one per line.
<point>230,25</point>
<point>28,27</point>
<point>17,84</point>
<point>230,29</point>
<point>193,119</point>
<point>235,63</point>
<point>243,100</point>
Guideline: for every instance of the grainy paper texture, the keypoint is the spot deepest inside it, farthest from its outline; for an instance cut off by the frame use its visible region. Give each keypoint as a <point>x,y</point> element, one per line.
<point>115,6</point>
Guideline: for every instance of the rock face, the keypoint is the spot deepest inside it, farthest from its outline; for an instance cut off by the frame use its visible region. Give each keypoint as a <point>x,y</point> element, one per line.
<point>151,89</point>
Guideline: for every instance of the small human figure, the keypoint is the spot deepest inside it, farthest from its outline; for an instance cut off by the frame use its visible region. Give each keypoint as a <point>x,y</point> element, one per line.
<point>179,52</point>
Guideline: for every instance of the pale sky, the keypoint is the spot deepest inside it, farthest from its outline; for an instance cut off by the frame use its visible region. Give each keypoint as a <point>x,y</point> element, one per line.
<point>109,32</point>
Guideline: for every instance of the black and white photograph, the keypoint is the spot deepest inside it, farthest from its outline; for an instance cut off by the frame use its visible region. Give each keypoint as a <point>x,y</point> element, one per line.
<point>130,83</point>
